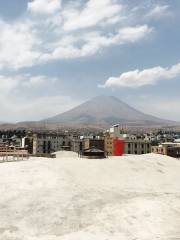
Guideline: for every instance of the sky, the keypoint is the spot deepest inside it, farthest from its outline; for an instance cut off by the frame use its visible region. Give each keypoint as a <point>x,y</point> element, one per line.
<point>56,54</point>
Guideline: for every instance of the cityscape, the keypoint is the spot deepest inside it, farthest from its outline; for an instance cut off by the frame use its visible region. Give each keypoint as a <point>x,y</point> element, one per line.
<point>115,141</point>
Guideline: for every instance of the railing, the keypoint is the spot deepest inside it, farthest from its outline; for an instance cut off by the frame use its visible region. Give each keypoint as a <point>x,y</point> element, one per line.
<point>12,155</point>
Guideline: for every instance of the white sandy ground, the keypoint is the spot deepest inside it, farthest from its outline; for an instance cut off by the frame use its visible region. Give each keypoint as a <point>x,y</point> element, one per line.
<point>120,198</point>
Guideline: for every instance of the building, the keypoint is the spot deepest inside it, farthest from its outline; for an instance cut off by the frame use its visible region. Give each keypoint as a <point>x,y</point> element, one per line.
<point>113,146</point>
<point>93,152</point>
<point>117,131</point>
<point>27,142</point>
<point>93,142</point>
<point>118,147</point>
<point>109,144</point>
<point>46,143</point>
<point>77,145</point>
<point>169,149</point>
<point>159,150</point>
<point>118,143</point>
<point>12,137</point>
<point>137,146</point>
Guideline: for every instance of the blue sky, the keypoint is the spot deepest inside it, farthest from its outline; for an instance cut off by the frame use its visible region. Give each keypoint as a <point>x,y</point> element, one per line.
<point>56,54</point>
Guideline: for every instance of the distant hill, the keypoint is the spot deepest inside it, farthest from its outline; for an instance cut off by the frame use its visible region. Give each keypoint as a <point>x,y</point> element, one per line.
<point>96,114</point>
<point>105,111</point>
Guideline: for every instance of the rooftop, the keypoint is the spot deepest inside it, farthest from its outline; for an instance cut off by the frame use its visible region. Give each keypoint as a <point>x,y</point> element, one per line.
<point>129,197</point>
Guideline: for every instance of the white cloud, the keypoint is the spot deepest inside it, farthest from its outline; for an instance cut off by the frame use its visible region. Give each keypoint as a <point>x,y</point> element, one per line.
<point>7,84</point>
<point>44,6</point>
<point>23,83</point>
<point>37,81</point>
<point>133,34</point>
<point>37,39</point>
<point>159,11</point>
<point>93,42</point>
<point>94,12</point>
<point>17,45</point>
<point>138,78</point>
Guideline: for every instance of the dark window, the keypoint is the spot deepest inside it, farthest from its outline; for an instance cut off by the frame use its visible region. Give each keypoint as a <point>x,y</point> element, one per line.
<point>44,146</point>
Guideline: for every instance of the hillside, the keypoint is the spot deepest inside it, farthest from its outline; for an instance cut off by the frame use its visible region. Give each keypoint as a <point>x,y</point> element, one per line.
<point>106,110</point>
<point>132,197</point>
<point>96,114</point>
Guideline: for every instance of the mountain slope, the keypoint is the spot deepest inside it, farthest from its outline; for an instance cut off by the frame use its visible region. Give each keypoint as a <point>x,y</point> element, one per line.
<point>106,110</point>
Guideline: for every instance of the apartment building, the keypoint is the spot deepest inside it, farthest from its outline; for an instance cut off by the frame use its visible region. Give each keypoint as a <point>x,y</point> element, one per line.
<point>45,143</point>
<point>118,143</point>
<point>77,145</point>
<point>113,146</point>
<point>137,146</point>
<point>108,144</point>
<point>168,148</point>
